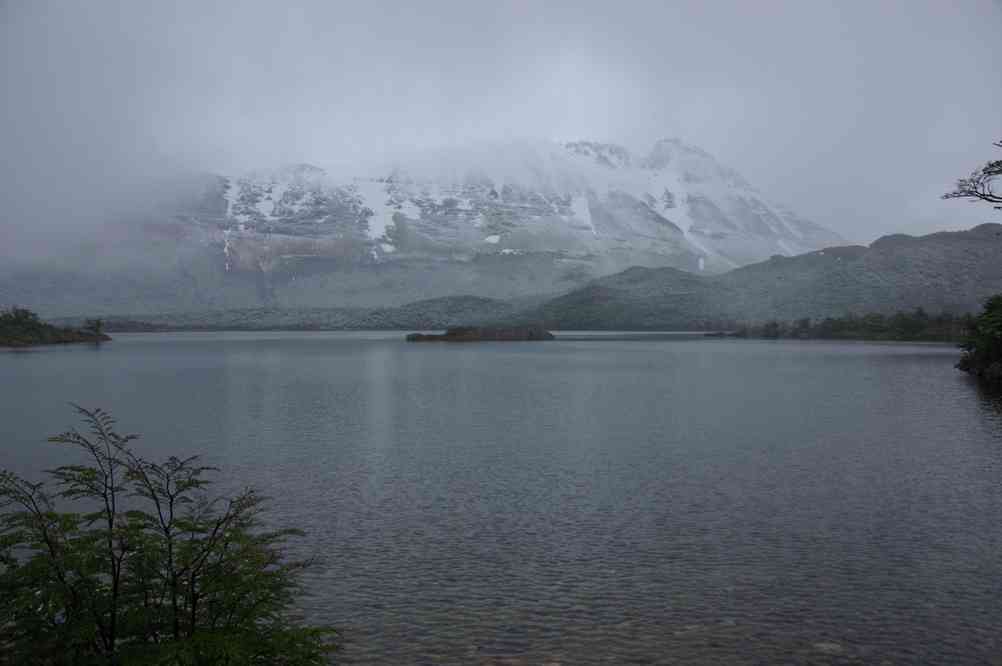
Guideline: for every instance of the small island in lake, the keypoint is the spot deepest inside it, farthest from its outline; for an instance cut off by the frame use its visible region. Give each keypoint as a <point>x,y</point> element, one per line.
<point>20,327</point>
<point>485,334</point>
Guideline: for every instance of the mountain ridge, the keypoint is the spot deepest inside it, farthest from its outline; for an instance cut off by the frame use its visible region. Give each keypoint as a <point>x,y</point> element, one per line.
<point>950,271</point>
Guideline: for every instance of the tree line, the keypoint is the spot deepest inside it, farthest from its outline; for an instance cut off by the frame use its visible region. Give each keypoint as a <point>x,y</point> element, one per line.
<point>20,327</point>
<point>917,326</point>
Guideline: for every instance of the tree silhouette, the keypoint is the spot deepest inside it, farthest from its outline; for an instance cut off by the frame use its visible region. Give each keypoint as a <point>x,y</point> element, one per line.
<point>979,185</point>
<point>982,347</point>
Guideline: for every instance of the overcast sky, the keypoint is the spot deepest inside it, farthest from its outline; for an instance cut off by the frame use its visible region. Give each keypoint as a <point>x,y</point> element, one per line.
<point>857,114</point>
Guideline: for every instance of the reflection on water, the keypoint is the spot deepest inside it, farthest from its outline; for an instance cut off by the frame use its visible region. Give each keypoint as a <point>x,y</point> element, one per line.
<point>585,501</point>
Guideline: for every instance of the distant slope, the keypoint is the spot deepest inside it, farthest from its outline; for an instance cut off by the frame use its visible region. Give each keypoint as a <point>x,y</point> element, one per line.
<point>947,271</point>
<point>636,299</point>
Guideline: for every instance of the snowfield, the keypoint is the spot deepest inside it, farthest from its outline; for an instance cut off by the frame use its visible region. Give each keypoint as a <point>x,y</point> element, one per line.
<point>673,206</point>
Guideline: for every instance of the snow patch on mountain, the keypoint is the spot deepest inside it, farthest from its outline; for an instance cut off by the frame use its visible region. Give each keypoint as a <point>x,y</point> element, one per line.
<point>374,195</point>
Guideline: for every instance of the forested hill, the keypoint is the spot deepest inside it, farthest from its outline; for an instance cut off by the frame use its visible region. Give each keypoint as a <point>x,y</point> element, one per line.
<point>941,272</point>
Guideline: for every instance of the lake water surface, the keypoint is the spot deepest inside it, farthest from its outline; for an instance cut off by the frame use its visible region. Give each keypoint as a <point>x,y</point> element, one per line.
<point>583,501</point>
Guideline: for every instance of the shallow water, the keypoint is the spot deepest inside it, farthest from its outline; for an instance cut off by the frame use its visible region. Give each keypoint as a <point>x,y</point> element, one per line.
<point>583,501</point>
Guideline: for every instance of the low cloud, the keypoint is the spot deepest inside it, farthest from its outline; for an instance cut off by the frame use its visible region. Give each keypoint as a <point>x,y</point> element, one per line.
<point>857,115</point>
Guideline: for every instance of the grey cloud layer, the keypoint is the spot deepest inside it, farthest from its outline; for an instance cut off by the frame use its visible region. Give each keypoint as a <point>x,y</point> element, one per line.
<point>859,115</point>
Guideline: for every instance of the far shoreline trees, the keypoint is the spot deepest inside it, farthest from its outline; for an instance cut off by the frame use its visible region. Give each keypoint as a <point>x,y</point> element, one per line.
<point>20,327</point>
<point>915,326</point>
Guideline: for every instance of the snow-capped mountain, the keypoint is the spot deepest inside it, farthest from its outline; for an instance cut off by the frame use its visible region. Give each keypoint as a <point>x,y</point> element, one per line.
<point>498,221</point>
<point>586,203</point>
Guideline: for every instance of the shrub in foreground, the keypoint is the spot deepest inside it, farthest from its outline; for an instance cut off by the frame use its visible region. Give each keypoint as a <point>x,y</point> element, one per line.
<point>144,568</point>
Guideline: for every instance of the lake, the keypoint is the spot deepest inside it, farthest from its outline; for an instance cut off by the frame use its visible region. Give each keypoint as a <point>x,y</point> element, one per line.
<point>582,501</point>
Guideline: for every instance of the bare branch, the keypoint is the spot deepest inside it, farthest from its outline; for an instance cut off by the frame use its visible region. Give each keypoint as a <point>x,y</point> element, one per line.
<point>979,185</point>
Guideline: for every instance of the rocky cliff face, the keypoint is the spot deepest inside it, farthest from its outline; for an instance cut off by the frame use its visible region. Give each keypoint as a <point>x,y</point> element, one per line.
<point>500,221</point>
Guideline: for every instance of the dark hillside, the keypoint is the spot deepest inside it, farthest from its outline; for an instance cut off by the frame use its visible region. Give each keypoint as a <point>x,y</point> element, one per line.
<point>942,272</point>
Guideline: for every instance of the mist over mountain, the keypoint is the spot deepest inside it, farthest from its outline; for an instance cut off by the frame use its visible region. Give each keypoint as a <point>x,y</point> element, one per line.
<point>499,220</point>
<point>945,272</point>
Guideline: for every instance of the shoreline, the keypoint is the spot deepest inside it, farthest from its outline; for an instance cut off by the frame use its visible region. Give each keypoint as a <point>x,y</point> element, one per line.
<point>575,335</point>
